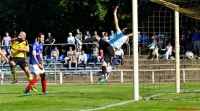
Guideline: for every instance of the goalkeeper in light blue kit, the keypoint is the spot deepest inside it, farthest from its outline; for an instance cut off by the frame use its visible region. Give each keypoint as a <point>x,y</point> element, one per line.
<point>109,46</point>
<point>37,64</point>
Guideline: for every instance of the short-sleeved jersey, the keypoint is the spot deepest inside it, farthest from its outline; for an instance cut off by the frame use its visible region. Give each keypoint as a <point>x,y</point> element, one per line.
<point>118,39</point>
<point>36,49</point>
<point>15,48</point>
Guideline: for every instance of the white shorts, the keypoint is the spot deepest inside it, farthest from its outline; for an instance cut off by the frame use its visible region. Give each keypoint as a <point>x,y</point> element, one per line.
<point>36,70</point>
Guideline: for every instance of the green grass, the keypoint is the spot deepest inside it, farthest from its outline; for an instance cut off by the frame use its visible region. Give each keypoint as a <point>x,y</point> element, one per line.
<point>75,97</point>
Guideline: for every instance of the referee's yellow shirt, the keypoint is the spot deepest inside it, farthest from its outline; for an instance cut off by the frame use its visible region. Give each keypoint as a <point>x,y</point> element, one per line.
<point>16,45</point>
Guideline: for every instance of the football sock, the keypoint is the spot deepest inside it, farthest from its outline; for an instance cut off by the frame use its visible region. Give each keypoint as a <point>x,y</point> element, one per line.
<point>31,84</point>
<point>103,70</point>
<point>43,82</point>
<point>92,39</point>
<point>13,72</point>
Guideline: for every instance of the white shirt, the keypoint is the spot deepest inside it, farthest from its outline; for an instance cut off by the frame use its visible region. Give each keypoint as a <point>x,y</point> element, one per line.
<point>119,52</point>
<point>70,40</point>
<point>169,50</point>
<point>6,40</point>
<point>82,57</point>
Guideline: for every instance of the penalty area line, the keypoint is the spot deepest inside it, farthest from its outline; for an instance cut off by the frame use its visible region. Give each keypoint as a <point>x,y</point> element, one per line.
<point>109,106</point>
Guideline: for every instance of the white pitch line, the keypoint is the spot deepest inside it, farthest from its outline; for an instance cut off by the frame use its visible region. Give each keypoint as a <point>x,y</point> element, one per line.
<point>109,106</point>
<point>117,104</point>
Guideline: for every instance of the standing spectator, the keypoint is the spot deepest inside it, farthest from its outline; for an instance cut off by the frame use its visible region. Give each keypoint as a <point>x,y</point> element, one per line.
<point>82,59</point>
<point>73,60</point>
<point>70,40</point>
<point>55,53</point>
<point>87,36</point>
<point>6,42</point>
<point>145,40</point>
<point>160,39</point>
<point>49,41</point>
<point>167,38</point>
<point>119,54</point>
<point>139,43</point>
<point>94,42</point>
<point>182,40</point>
<point>105,37</point>
<point>196,40</point>
<point>111,34</point>
<point>189,41</point>
<point>154,38</point>
<point>95,34</point>
<point>78,36</point>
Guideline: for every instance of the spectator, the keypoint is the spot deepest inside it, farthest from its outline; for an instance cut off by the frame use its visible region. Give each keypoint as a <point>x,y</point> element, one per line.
<point>78,36</point>
<point>82,59</point>
<point>168,50</point>
<point>70,51</point>
<point>151,47</point>
<point>119,54</point>
<point>6,42</point>
<point>71,40</point>
<point>95,54</point>
<point>100,57</point>
<point>55,53</point>
<point>145,40</point>
<point>73,60</point>
<point>87,36</point>
<point>160,39</point>
<point>139,43</point>
<point>105,37</point>
<point>77,54</point>
<point>67,58</point>
<point>182,40</point>
<point>167,38</point>
<point>95,43</point>
<point>108,71</point>
<point>154,38</point>
<point>155,53</point>
<point>196,40</point>
<point>49,41</point>
<point>95,34</point>
<point>189,41</point>
<point>111,34</point>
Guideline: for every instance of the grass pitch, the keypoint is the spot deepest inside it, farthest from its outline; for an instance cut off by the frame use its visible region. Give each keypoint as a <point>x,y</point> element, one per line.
<point>109,97</point>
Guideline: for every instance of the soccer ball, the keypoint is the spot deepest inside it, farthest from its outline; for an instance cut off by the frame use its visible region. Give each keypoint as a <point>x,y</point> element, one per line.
<point>189,54</point>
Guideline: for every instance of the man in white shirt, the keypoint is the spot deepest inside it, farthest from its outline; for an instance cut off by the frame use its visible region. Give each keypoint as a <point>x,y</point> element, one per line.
<point>119,54</point>
<point>70,39</point>
<point>82,59</point>
<point>6,42</point>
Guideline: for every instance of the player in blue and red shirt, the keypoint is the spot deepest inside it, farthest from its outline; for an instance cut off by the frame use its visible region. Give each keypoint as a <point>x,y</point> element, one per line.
<point>37,64</point>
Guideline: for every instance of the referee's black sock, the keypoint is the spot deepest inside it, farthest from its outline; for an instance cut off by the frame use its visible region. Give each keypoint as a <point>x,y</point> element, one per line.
<point>92,39</point>
<point>103,70</point>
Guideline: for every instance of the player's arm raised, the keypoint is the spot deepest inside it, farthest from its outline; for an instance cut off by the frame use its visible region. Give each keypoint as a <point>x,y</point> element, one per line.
<point>115,18</point>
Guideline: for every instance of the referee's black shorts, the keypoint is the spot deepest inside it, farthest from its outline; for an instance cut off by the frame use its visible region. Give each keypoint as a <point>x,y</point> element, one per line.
<point>108,51</point>
<point>19,61</point>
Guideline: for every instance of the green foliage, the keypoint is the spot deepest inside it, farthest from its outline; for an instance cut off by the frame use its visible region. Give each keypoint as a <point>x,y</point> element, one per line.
<point>61,16</point>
